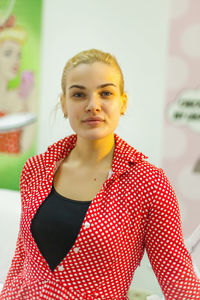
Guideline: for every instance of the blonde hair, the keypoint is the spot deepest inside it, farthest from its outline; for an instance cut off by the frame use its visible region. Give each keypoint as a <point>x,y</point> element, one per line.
<point>16,33</point>
<point>89,57</point>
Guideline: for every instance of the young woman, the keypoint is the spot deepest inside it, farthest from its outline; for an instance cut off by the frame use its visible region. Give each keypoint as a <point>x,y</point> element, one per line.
<point>92,204</point>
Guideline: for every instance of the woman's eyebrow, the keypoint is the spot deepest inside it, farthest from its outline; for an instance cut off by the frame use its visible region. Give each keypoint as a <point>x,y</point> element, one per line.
<point>98,87</point>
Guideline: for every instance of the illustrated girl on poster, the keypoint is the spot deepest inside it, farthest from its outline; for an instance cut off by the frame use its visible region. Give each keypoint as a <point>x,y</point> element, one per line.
<point>16,103</point>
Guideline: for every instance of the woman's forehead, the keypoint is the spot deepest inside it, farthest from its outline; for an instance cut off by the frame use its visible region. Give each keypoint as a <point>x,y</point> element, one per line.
<point>97,71</point>
<point>9,44</point>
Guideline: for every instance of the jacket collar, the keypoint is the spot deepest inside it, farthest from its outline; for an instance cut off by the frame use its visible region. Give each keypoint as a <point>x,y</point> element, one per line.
<point>124,154</point>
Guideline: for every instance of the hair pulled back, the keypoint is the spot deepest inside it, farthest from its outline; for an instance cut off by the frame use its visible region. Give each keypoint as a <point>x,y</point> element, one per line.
<point>88,57</point>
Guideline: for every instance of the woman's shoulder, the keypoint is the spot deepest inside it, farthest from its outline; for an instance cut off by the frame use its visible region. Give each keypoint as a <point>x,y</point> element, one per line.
<point>51,154</point>
<point>146,172</point>
<point>34,161</point>
<point>31,167</point>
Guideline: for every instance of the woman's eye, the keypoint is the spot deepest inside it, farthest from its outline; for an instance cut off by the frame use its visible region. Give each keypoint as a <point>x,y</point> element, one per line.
<point>106,93</point>
<point>8,52</point>
<point>77,95</point>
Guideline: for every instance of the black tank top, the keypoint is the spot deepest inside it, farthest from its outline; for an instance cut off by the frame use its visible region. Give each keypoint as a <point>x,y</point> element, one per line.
<point>56,225</point>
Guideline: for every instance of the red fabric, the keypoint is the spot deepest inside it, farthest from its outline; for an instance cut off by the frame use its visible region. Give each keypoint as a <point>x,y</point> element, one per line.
<point>136,209</point>
<point>10,141</point>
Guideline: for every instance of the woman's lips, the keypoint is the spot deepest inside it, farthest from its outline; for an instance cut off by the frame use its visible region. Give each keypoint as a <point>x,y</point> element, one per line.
<point>15,69</point>
<point>94,122</point>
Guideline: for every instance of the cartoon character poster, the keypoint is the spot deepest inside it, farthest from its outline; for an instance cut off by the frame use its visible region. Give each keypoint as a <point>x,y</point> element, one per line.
<point>181,141</point>
<point>20,27</point>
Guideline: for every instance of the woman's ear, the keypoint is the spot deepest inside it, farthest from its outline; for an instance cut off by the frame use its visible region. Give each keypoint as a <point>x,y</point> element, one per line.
<point>63,104</point>
<point>124,100</point>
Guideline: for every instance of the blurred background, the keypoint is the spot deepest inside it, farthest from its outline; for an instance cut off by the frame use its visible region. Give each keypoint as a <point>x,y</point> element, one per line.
<point>157,44</point>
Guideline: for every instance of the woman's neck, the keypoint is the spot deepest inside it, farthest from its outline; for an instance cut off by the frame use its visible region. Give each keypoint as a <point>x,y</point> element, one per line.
<point>94,153</point>
<point>3,86</point>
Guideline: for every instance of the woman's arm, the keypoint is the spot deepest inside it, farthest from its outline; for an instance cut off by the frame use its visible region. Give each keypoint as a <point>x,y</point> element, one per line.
<point>168,255</point>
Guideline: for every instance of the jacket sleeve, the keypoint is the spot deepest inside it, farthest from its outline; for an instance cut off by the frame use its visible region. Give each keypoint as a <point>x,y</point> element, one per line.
<point>167,253</point>
<point>19,255</point>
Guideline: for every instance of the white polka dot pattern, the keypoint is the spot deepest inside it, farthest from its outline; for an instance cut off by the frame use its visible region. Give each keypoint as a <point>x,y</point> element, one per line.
<point>135,209</point>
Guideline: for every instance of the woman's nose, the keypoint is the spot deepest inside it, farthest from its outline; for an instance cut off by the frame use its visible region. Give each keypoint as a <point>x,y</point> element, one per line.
<point>93,103</point>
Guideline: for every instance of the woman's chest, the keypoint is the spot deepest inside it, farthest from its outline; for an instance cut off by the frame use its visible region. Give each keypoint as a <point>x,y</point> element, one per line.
<point>80,184</point>
<point>112,217</point>
<point>11,103</point>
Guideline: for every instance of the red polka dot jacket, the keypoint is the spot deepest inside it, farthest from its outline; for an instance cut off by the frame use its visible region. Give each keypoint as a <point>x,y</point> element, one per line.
<point>136,209</point>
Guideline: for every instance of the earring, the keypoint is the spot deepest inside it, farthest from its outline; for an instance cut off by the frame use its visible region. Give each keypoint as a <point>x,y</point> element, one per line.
<point>65,116</point>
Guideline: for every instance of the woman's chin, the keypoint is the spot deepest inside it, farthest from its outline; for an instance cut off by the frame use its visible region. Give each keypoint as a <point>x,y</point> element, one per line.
<point>11,76</point>
<point>92,134</point>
